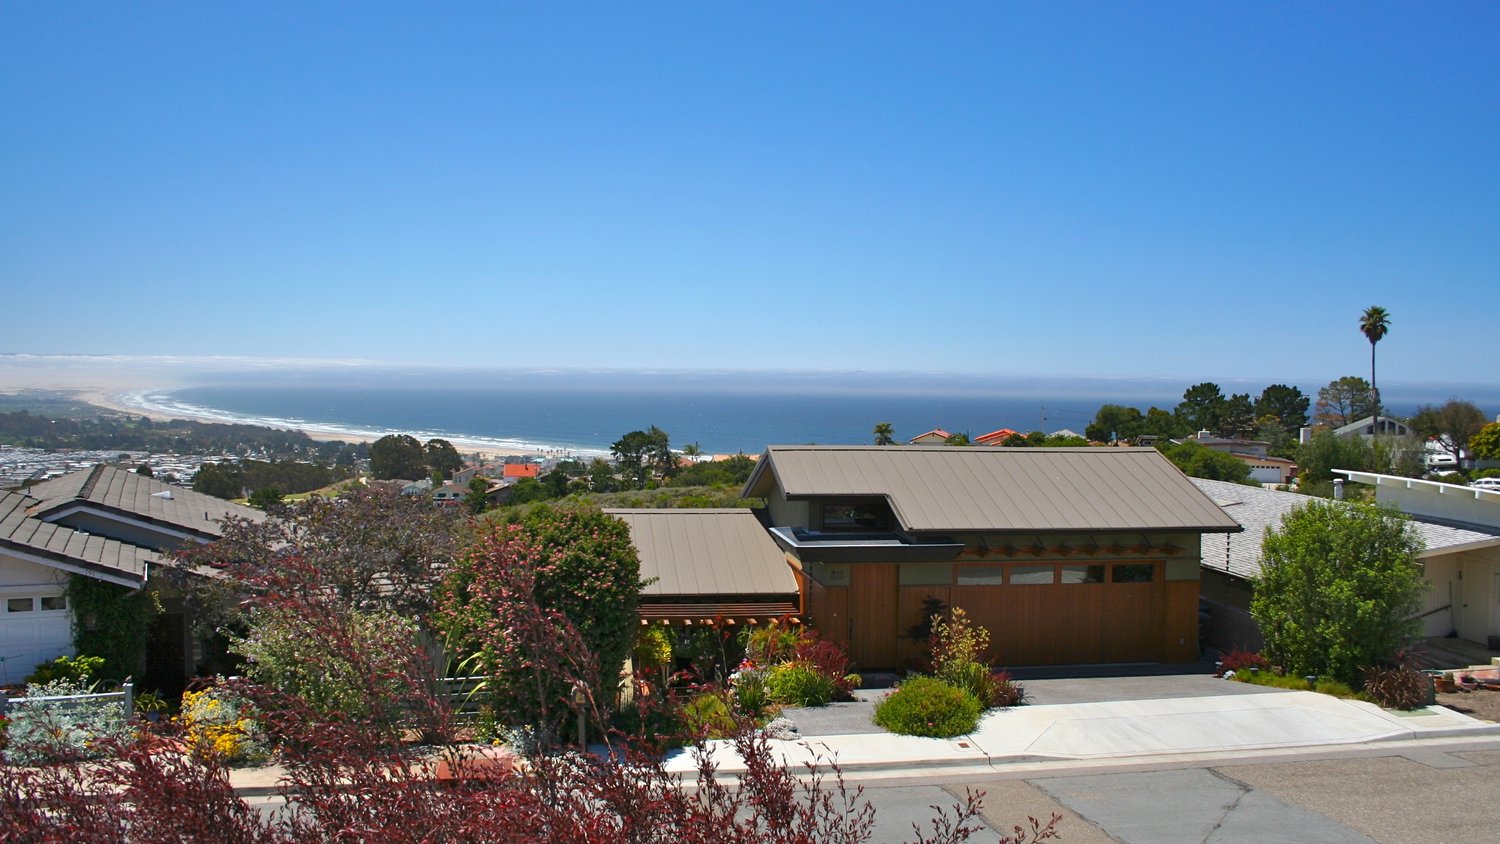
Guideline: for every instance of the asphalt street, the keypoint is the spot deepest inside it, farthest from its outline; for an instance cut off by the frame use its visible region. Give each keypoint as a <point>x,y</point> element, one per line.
<point>1420,791</point>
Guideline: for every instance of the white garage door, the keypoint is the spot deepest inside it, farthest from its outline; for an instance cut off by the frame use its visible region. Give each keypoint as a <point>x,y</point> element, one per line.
<point>33,628</point>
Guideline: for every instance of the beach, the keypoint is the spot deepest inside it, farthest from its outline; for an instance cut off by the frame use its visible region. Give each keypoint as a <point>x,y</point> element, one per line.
<point>115,391</point>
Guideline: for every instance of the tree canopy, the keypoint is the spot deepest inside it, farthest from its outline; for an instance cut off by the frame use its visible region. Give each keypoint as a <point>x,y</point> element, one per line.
<point>1344,400</point>
<point>644,455</point>
<point>1339,589</point>
<point>442,457</point>
<point>1200,461</point>
<point>1486,442</point>
<point>396,456</point>
<point>1202,407</point>
<point>1451,425</point>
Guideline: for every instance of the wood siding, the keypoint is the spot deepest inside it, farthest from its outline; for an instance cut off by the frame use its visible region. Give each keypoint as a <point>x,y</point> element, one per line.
<point>1030,624</point>
<point>873,613</point>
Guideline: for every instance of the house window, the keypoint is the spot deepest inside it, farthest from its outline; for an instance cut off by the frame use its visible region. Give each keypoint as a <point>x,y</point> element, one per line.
<point>54,602</point>
<point>1031,574</point>
<point>856,514</point>
<point>18,605</point>
<point>981,576</point>
<point>1133,573</point>
<point>1081,574</point>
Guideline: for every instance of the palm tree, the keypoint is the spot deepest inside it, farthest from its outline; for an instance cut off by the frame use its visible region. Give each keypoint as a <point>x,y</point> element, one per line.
<point>884,434</point>
<point>1375,323</point>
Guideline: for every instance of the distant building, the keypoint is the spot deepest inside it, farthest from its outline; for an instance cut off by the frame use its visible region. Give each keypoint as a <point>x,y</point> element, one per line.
<point>937,436</point>
<point>995,437</point>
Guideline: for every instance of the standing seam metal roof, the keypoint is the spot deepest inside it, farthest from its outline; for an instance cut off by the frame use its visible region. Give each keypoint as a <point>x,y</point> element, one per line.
<point>706,552</point>
<point>933,488</point>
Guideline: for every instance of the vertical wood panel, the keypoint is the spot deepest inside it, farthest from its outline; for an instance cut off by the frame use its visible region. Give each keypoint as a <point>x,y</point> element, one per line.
<point>1180,621</point>
<point>912,599</point>
<point>873,610</point>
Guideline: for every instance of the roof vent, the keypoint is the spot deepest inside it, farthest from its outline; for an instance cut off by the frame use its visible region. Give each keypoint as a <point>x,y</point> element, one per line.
<point>166,493</point>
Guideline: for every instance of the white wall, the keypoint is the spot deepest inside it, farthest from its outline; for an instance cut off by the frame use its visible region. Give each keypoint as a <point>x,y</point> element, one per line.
<point>33,634</point>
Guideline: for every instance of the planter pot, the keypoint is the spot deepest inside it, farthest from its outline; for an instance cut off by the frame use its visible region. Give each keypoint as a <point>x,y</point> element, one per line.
<point>1444,685</point>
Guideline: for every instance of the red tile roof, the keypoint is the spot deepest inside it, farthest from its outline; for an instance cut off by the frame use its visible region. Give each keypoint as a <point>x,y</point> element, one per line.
<point>521,470</point>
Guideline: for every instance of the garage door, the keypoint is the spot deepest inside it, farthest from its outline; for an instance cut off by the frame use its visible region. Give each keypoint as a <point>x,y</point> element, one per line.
<point>33,628</point>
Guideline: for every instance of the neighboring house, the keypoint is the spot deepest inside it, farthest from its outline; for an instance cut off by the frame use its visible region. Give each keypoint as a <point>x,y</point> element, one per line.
<point>937,436</point>
<point>1366,428</point>
<point>995,437</point>
<point>105,523</point>
<point>1067,555</point>
<point>1264,468</point>
<point>450,494</point>
<point>1461,560</point>
<point>709,566</point>
<point>517,471</point>
<point>422,487</point>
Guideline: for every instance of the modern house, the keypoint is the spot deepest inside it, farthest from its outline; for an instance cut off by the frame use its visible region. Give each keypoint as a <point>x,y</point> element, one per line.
<point>707,567</point>
<point>103,523</point>
<point>1366,428</point>
<point>1460,527</point>
<point>1067,555</point>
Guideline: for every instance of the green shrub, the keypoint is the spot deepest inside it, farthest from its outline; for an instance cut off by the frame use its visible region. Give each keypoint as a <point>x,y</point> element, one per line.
<point>70,669</point>
<point>749,687</point>
<point>799,684</point>
<point>292,653</point>
<point>708,714</point>
<point>924,706</point>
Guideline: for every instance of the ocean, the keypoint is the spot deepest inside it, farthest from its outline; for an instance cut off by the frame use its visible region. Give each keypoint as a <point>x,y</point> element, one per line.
<point>722,413</point>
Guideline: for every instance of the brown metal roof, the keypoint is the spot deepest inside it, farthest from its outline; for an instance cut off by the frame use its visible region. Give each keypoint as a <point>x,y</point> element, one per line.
<point>936,488</point>
<point>66,547</point>
<point>720,552</point>
<point>112,489</point>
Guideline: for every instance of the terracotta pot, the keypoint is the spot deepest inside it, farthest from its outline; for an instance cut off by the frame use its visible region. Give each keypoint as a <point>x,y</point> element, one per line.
<point>1444,685</point>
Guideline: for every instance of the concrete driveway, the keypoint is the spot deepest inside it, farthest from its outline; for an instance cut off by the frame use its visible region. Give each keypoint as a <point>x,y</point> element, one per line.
<point>1044,687</point>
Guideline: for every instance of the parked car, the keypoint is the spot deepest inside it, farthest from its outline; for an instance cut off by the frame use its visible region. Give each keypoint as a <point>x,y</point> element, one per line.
<point>1491,484</point>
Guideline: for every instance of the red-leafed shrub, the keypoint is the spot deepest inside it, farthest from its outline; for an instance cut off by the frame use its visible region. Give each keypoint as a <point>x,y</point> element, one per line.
<point>1239,659</point>
<point>1397,688</point>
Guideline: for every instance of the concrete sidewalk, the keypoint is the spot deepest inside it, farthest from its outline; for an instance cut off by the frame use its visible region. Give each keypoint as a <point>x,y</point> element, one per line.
<point>1121,729</point>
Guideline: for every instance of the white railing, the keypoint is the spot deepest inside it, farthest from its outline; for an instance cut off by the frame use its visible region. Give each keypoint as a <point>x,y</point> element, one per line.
<point>126,696</point>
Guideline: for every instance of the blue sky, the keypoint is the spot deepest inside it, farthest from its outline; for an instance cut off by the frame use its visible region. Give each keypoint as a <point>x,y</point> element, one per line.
<point>1080,189</point>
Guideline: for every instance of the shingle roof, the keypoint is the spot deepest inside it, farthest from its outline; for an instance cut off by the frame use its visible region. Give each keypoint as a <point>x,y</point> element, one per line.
<point>112,489</point>
<point>999,489</point>
<point>706,552</point>
<point>1258,508</point>
<point>22,533</point>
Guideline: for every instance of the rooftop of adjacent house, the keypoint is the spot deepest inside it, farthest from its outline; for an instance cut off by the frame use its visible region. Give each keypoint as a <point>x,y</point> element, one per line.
<point>113,490</point>
<point>1258,508</point>
<point>932,488</point>
<point>995,437</point>
<point>1360,426</point>
<point>63,547</point>
<point>702,552</point>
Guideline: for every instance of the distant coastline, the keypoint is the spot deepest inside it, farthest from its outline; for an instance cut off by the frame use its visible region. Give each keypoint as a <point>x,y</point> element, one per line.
<point>580,412</point>
<point>141,403</point>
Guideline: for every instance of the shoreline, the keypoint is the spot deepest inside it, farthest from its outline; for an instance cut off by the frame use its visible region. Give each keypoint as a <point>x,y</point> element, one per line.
<point>109,399</point>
